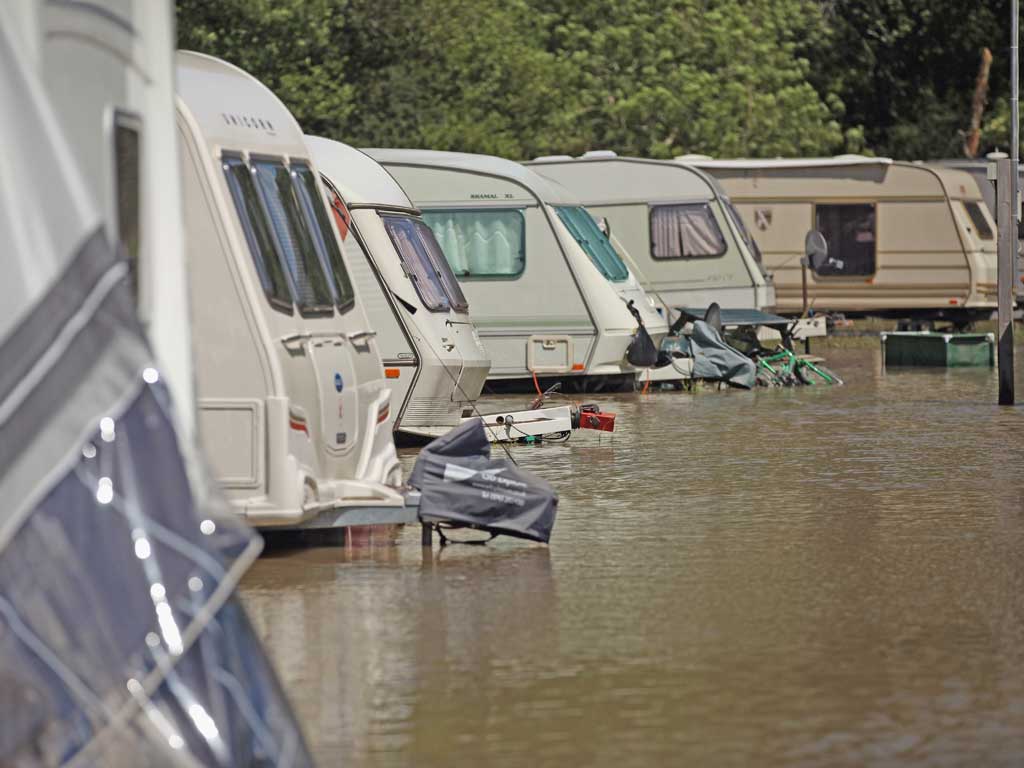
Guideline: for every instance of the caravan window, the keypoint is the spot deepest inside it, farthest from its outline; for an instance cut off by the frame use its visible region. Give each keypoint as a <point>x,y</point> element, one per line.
<point>313,291</point>
<point>849,230</point>
<point>483,242</point>
<point>444,271</point>
<point>595,244</point>
<point>730,209</point>
<point>316,214</point>
<point>685,231</point>
<point>417,262</point>
<point>257,232</point>
<point>127,173</point>
<point>981,228</point>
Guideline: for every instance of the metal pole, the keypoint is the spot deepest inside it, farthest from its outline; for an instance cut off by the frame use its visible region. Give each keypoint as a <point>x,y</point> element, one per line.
<point>1008,179</point>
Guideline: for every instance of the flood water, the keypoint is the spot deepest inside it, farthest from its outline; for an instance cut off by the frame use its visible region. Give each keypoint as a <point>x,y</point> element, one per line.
<point>813,576</point>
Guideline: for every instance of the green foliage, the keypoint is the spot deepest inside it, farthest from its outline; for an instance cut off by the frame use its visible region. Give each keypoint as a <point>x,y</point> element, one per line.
<point>646,77</point>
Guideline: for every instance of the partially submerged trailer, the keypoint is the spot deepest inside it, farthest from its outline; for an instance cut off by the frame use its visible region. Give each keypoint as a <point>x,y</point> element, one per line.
<point>548,297</point>
<point>293,407</point>
<point>120,640</point>
<point>433,357</point>
<point>674,222</point>
<point>905,239</point>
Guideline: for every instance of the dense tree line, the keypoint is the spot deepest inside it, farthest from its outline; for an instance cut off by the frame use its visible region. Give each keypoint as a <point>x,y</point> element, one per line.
<point>655,78</point>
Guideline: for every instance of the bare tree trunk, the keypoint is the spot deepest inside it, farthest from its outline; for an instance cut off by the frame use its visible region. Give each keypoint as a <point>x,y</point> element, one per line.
<point>973,139</point>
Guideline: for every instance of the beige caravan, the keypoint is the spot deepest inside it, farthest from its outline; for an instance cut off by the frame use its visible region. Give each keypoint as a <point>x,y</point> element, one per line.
<point>905,239</point>
<point>293,407</point>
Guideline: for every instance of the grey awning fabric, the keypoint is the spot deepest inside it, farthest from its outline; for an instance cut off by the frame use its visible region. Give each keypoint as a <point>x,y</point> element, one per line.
<point>120,641</point>
<point>734,318</point>
<point>715,360</point>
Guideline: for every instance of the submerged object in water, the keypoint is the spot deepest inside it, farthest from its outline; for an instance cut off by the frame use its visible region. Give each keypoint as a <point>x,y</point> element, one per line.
<point>462,486</point>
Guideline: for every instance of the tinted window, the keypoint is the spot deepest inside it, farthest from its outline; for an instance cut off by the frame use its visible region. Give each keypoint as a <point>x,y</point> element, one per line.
<point>258,237</point>
<point>481,243</point>
<point>685,231</point>
<point>981,226</point>
<point>730,209</point>
<point>594,243</point>
<point>417,262</point>
<point>312,288</point>
<point>850,232</point>
<point>451,285</point>
<point>127,178</point>
<point>323,234</point>
<point>257,232</point>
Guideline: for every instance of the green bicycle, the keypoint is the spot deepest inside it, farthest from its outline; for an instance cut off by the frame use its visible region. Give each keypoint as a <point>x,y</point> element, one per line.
<point>782,367</point>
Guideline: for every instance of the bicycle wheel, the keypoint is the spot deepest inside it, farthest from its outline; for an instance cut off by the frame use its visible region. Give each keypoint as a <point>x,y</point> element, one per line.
<point>817,374</point>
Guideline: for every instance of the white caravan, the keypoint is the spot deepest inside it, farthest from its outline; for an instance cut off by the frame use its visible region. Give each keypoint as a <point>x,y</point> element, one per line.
<point>676,223</point>
<point>293,409</point>
<point>433,359</point>
<point>548,297</point>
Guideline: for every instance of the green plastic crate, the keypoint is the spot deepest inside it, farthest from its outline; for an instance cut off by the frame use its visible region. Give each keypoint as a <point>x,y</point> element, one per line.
<point>942,350</point>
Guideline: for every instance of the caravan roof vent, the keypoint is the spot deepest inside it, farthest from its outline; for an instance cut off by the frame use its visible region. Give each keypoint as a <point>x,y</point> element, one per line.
<point>551,158</point>
<point>692,158</point>
<point>596,154</point>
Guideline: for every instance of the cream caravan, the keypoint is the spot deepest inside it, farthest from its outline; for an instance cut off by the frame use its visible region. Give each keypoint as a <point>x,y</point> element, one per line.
<point>675,223</point>
<point>905,239</point>
<point>543,300</point>
<point>433,359</point>
<point>293,407</point>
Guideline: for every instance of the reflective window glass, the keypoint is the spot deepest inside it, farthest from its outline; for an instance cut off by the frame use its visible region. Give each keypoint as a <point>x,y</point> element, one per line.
<point>312,288</point>
<point>315,208</point>
<point>254,222</point>
<point>592,240</point>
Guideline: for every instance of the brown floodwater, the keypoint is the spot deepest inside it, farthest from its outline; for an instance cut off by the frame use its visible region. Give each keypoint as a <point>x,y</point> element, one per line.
<point>813,576</point>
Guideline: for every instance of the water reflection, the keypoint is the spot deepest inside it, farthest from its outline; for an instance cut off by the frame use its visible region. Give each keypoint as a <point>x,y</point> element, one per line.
<point>812,576</point>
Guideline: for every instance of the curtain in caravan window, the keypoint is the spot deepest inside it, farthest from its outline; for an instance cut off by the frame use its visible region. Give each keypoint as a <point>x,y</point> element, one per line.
<point>685,231</point>
<point>274,182</point>
<point>592,240</point>
<point>481,243</point>
<point>323,234</point>
<point>417,262</point>
<point>257,232</point>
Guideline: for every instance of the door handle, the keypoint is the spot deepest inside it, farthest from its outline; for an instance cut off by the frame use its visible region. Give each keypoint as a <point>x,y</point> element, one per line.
<point>356,337</point>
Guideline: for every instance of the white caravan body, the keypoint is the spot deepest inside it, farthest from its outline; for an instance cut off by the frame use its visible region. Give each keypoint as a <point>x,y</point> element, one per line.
<point>539,302</point>
<point>293,408</point>
<point>433,358</point>
<point>674,222</point>
<point>109,77</point>
<point>905,239</point>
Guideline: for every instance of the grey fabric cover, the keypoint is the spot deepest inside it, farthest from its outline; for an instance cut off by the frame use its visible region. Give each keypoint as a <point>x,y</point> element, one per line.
<point>120,641</point>
<point>715,360</point>
<point>461,484</point>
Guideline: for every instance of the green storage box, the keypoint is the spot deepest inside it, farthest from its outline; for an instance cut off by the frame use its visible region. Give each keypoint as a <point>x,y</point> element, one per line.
<point>943,350</point>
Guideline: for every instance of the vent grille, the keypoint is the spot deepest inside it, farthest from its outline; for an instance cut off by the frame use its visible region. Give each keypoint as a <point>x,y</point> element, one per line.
<point>432,412</point>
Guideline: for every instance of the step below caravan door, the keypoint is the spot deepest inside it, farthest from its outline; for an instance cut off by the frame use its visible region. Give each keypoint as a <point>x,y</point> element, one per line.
<point>549,354</point>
